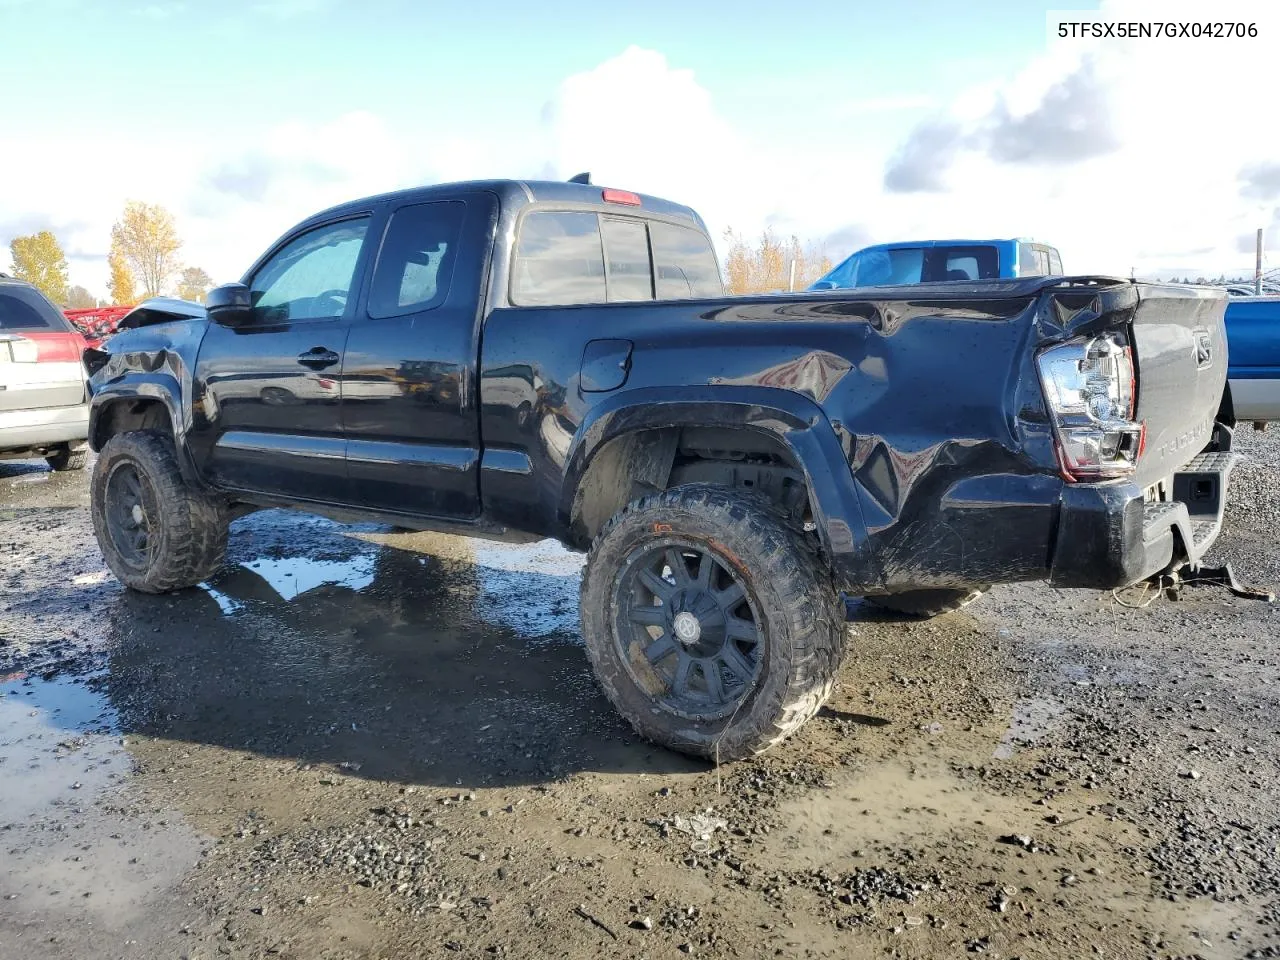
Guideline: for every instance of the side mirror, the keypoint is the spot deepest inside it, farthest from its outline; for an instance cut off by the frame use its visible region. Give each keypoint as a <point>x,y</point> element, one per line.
<point>229,305</point>
<point>822,285</point>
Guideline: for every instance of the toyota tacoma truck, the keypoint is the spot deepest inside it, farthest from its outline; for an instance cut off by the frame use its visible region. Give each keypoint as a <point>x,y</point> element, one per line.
<point>535,359</point>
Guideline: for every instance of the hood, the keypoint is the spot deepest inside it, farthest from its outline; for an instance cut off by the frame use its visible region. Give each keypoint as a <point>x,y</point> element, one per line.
<point>161,310</point>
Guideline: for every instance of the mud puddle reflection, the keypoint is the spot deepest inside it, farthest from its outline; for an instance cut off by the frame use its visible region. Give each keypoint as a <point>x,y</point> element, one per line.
<point>77,852</point>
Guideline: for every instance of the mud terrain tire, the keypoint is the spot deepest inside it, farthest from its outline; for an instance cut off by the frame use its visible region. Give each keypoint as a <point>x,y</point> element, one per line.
<point>68,458</point>
<point>156,533</point>
<point>789,604</point>
<point>923,604</point>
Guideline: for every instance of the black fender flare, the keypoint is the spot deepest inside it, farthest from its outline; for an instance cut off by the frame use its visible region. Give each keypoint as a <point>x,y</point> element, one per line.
<point>160,387</point>
<point>794,420</point>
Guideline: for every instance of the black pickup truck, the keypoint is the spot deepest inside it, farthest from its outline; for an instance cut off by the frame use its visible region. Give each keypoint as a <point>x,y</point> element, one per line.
<point>533,359</point>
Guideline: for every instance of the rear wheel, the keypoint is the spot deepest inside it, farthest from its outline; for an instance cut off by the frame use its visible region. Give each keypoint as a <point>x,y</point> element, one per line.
<point>711,623</point>
<point>924,604</point>
<point>156,533</point>
<point>68,457</point>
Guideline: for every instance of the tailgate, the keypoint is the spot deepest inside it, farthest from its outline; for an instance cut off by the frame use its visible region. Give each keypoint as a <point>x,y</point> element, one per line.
<point>40,370</point>
<point>1180,351</point>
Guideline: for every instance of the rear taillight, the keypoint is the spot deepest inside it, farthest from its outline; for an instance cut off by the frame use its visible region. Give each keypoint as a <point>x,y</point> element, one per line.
<point>1089,386</point>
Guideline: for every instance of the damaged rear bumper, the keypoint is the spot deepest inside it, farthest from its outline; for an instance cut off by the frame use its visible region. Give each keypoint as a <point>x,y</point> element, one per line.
<point>1110,535</point>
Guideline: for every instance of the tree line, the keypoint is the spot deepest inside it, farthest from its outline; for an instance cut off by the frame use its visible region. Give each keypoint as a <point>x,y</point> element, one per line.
<point>143,262</point>
<point>767,265</point>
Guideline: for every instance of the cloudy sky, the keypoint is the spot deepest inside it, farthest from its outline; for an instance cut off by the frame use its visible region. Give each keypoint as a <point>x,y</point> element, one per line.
<point>842,122</point>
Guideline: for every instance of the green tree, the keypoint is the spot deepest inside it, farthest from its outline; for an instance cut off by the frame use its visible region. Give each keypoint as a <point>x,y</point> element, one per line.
<point>78,298</point>
<point>147,240</point>
<point>39,260</point>
<point>194,284</point>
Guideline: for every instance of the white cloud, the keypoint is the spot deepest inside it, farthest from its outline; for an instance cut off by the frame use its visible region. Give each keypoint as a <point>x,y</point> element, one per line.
<point>1138,154</point>
<point>228,205</point>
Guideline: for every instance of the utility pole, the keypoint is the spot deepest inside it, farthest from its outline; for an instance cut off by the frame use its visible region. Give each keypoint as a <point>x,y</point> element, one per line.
<point>1257,270</point>
<point>791,279</point>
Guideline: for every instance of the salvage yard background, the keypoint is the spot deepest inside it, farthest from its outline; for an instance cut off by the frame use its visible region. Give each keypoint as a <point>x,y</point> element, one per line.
<point>356,743</point>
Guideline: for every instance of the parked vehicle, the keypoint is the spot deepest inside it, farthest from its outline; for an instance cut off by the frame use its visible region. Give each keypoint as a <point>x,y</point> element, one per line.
<point>565,364</point>
<point>928,261</point>
<point>44,410</point>
<point>96,324</point>
<point>1253,334</point>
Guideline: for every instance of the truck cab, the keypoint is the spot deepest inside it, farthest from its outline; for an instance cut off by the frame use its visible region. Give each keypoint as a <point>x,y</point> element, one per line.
<point>931,261</point>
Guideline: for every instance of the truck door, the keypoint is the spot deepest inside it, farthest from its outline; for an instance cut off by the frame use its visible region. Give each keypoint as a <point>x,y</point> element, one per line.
<point>269,417</point>
<point>410,410</point>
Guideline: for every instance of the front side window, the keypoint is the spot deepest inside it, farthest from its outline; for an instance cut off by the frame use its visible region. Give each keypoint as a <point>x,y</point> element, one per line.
<point>684,263</point>
<point>311,277</point>
<point>884,268</point>
<point>415,264</point>
<point>559,260</point>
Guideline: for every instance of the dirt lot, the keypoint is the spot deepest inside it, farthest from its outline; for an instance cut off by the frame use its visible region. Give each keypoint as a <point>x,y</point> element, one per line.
<point>360,744</point>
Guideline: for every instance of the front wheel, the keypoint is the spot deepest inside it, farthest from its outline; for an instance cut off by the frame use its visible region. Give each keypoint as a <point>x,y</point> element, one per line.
<point>156,533</point>
<point>711,623</point>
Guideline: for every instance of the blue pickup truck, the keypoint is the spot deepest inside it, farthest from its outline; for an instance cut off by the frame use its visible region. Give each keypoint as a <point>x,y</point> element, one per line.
<point>929,261</point>
<point>1253,357</point>
<point>1253,323</point>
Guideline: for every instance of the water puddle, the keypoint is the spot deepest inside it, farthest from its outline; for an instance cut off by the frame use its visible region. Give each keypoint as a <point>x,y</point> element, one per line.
<point>71,853</point>
<point>531,589</point>
<point>56,746</point>
<point>1032,721</point>
<point>291,577</point>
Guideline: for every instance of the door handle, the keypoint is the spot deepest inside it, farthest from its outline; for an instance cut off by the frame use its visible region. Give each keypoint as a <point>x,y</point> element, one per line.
<point>317,358</point>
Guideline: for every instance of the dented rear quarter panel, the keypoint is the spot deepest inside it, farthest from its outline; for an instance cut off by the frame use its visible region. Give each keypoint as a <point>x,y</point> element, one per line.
<point>916,412</point>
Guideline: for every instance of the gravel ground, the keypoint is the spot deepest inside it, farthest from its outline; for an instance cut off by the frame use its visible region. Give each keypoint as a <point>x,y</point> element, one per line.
<point>359,744</point>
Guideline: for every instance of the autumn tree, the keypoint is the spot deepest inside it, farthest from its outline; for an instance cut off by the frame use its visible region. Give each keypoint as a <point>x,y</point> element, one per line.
<point>194,284</point>
<point>78,298</point>
<point>147,240</point>
<point>120,286</point>
<point>39,260</point>
<point>766,265</point>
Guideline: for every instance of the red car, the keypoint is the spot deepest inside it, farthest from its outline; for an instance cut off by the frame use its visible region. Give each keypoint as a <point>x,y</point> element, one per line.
<point>44,410</point>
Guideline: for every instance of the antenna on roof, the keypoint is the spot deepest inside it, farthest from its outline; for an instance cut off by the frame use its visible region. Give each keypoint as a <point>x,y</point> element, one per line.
<point>581,178</point>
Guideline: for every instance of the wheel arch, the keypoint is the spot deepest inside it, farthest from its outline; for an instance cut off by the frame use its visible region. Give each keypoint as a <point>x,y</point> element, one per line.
<point>139,405</point>
<point>631,441</point>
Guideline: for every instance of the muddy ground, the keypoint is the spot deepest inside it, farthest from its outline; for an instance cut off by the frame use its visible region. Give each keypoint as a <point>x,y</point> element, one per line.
<point>358,744</point>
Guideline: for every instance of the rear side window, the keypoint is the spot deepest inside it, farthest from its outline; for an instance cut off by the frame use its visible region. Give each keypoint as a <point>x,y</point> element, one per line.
<point>26,309</point>
<point>630,274</point>
<point>415,264</point>
<point>684,263</point>
<point>961,263</point>
<point>1030,263</point>
<point>559,260</point>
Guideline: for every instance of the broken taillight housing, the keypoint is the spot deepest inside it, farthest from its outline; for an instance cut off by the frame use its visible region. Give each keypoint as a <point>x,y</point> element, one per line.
<point>1090,389</point>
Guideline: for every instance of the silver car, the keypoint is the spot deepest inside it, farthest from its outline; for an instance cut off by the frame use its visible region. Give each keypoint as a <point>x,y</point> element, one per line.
<point>44,410</point>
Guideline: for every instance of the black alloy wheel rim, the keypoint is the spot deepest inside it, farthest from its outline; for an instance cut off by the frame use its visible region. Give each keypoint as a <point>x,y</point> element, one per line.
<point>130,509</point>
<point>686,619</point>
